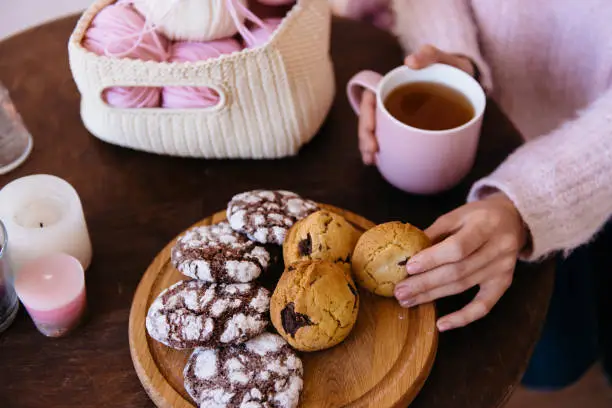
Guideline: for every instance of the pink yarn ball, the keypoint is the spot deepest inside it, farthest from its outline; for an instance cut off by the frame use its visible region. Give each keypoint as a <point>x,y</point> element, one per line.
<point>189,96</point>
<point>119,30</point>
<point>133,97</point>
<point>262,35</point>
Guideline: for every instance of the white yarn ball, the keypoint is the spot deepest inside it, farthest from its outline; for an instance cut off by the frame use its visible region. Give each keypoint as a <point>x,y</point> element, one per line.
<point>190,20</point>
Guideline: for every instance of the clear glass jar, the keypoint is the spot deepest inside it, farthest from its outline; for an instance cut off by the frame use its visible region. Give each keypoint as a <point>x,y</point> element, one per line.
<point>9,304</point>
<point>15,140</point>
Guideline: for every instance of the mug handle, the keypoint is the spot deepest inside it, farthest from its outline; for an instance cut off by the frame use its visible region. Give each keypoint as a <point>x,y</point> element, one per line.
<point>360,82</point>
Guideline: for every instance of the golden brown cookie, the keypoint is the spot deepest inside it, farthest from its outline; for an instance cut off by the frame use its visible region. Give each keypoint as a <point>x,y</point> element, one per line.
<point>380,256</point>
<point>322,235</point>
<point>315,305</point>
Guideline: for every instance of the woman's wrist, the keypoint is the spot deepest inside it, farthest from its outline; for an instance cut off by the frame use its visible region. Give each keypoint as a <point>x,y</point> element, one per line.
<point>522,229</point>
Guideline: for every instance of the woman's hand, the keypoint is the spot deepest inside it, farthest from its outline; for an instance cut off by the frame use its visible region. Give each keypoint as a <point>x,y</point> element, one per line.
<point>477,244</point>
<point>428,54</point>
<point>425,56</point>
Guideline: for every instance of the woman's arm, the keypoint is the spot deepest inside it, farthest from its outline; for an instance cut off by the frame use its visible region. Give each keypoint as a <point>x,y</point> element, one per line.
<point>561,183</point>
<point>447,24</point>
<point>555,190</point>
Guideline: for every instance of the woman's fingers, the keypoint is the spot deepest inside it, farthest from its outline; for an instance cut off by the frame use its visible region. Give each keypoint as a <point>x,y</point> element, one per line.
<point>490,293</point>
<point>367,124</point>
<point>428,54</point>
<point>424,57</point>
<point>455,248</point>
<point>438,292</point>
<point>446,274</point>
<point>444,226</point>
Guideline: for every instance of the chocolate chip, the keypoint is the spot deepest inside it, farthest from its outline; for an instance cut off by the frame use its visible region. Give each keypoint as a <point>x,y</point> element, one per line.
<point>291,268</point>
<point>293,321</point>
<point>305,246</point>
<point>403,263</point>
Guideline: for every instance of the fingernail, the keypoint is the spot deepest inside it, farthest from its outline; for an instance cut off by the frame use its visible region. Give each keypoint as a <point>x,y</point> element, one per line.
<point>443,326</point>
<point>407,303</point>
<point>413,267</point>
<point>402,294</point>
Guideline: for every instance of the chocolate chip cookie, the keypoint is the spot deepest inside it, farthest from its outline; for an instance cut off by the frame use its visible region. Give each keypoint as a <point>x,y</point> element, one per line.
<point>217,253</point>
<point>314,305</point>
<point>194,313</point>
<point>381,254</point>
<point>266,216</point>
<point>322,235</point>
<point>261,373</point>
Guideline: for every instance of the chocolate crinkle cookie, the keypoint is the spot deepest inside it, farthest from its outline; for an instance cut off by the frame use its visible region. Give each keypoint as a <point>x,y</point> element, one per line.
<point>261,373</point>
<point>194,313</point>
<point>266,216</point>
<point>217,253</point>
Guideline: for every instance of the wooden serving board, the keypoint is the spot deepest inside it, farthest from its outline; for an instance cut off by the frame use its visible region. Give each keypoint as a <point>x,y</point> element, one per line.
<point>383,363</point>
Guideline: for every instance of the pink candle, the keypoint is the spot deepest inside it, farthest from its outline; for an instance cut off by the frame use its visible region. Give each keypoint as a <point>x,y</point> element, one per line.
<point>52,289</point>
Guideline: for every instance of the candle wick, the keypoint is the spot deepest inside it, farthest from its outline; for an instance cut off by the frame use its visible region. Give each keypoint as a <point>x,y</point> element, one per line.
<point>41,224</point>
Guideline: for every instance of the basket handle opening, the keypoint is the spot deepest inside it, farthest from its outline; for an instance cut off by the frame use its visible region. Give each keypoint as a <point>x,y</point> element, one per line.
<point>209,98</point>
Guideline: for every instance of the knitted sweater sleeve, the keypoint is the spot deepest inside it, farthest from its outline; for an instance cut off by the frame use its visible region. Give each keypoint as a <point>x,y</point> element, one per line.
<point>561,182</point>
<point>446,24</point>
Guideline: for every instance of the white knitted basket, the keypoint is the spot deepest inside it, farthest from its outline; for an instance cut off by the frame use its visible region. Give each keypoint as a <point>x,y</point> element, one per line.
<point>273,98</point>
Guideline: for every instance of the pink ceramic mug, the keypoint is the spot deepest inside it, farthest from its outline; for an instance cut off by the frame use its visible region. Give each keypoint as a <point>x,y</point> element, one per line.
<point>416,160</point>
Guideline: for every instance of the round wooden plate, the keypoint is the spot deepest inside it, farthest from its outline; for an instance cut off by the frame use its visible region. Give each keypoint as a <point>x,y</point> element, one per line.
<point>383,363</point>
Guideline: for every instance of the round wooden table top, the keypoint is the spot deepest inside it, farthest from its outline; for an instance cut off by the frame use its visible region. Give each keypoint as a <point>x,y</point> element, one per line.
<point>136,202</point>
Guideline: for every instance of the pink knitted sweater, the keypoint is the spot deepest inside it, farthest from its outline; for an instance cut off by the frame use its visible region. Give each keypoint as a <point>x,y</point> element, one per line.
<point>549,65</point>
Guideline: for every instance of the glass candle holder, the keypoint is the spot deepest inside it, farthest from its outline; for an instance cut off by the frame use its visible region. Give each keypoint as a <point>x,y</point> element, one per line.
<point>52,289</point>
<point>9,304</point>
<point>15,140</point>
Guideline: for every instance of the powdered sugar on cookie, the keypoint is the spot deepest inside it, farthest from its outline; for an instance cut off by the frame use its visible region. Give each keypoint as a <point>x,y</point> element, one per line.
<point>199,314</point>
<point>217,253</point>
<point>266,216</point>
<point>263,372</point>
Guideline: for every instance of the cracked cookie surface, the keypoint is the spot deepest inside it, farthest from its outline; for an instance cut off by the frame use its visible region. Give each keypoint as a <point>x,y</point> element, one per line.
<point>194,313</point>
<point>322,235</point>
<point>381,253</point>
<point>314,305</point>
<point>217,253</point>
<point>266,216</point>
<point>264,372</point>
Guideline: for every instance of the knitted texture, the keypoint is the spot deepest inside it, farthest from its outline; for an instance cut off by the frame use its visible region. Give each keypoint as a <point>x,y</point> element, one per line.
<point>273,99</point>
<point>552,65</point>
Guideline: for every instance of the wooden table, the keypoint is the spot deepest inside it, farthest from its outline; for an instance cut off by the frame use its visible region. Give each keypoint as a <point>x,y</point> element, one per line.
<point>136,202</point>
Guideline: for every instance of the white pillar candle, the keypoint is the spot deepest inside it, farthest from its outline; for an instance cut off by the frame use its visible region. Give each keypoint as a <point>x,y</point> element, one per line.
<point>43,215</point>
<point>52,289</point>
